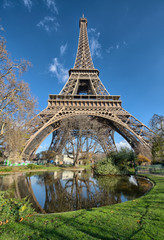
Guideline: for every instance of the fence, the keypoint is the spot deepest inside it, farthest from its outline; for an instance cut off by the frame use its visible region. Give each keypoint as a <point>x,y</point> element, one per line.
<point>152,169</point>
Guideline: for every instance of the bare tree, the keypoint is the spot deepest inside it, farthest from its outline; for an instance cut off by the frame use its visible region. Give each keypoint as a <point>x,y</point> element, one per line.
<point>17,106</point>
<point>81,138</point>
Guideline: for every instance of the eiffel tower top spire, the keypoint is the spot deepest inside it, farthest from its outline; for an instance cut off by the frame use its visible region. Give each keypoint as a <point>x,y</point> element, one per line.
<point>83,78</point>
<point>83,57</point>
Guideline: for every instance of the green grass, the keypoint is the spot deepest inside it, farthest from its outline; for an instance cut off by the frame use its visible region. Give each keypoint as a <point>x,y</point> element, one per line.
<point>33,167</point>
<point>141,219</point>
<point>27,168</point>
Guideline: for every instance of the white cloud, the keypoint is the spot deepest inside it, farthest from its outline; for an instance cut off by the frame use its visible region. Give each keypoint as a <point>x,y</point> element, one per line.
<point>125,43</point>
<point>116,47</point>
<point>95,45</point>
<point>1,28</point>
<point>49,23</point>
<point>109,49</point>
<point>28,4</point>
<point>123,144</point>
<point>51,5</point>
<point>63,49</point>
<point>59,71</point>
<point>42,147</point>
<point>91,30</point>
<point>7,3</point>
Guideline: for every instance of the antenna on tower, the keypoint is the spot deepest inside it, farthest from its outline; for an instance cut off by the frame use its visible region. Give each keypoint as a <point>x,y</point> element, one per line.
<point>83,15</point>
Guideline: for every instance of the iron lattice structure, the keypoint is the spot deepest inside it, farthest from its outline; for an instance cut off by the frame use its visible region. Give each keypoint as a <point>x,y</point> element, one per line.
<point>84,94</point>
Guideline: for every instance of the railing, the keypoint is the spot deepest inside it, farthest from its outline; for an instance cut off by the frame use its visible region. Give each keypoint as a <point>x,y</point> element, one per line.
<point>152,169</point>
<point>84,97</point>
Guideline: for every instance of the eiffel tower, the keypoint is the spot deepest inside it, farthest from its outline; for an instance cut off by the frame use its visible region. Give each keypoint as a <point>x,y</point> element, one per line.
<point>84,94</point>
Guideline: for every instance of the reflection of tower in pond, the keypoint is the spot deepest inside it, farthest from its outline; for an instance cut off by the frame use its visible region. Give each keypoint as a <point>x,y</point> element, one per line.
<point>6,182</point>
<point>133,180</point>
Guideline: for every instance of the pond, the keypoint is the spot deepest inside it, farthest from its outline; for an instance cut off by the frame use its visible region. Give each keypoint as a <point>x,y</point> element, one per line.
<point>64,191</point>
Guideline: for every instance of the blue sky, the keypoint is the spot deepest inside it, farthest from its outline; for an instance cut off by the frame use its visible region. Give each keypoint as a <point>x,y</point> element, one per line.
<point>126,40</point>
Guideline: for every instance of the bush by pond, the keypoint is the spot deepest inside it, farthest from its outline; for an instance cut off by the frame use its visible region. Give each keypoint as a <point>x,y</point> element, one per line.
<point>117,163</point>
<point>106,166</point>
<point>12,209</point>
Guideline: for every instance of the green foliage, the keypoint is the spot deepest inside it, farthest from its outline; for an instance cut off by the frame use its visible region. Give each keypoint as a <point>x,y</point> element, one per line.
<point>158,149</point>
<point>157,125</point>
<point>12,209</point>
<point>124,159</point>
<point>106,166</point>
<point>117,163</point>
<point>28,168</point>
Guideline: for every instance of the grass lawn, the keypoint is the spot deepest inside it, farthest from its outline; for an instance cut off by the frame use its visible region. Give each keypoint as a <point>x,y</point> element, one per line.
<point>141,219</point>
<point>34,168</point>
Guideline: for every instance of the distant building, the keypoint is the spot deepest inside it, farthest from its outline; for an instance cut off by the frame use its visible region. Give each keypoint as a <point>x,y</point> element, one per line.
<point>63,159</point>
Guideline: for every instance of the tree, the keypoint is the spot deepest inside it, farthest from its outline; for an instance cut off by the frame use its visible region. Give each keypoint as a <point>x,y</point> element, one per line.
<point>17,106</point>
<point>142,160</point>
<point>157,125</point>
<point>124,158</point>
<point>48,155</point>
<point>82,136</point>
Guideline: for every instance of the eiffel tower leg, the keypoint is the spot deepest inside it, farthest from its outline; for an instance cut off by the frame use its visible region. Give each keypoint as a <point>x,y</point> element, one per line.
<point>139,135</point>
<point>59,139</point>
<point>36,139</point>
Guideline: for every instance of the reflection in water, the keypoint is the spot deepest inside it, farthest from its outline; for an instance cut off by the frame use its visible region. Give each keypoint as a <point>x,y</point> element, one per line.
<point>133,180</point>
<point>72,190</point>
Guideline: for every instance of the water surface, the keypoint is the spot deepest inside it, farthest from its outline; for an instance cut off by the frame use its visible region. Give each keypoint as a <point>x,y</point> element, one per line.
<point>69,190</point>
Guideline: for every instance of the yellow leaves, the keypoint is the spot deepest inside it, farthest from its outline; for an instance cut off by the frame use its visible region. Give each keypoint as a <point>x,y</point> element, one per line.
<point>21,219</point>
<point>138,221</point>
<point>142,159</point>
<point>4,222</point>
<point>23,208</point>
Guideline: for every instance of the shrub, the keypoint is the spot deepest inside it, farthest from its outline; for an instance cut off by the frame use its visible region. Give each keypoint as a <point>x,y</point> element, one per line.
<point>143,160</point>
<point>12,209</point>
<point>106,166</point>
<point>124,159</point>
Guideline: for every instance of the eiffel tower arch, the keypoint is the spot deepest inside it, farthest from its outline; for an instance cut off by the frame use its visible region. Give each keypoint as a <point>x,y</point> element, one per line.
<point>84,94</point>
